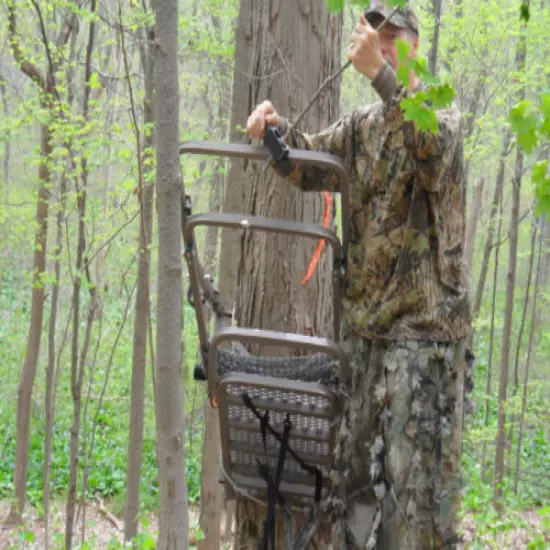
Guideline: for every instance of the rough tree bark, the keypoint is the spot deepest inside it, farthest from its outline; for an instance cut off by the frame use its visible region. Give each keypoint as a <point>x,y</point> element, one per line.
<point>170,424</point>
<point>142,315</point>
<point>510,287</point>
<point>46,84</point>
<point>270,293</point>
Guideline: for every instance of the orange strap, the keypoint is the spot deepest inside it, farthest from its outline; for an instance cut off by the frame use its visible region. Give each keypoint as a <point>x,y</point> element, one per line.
<point>321,245</point>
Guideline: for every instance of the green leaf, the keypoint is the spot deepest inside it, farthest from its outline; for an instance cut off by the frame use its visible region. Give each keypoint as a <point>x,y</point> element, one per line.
<point>393,3</point>
<point>441,96</point>
<point>403,49</point>
<point>403,75</point>
<point>524,12</point>
<point>335,5</point>
<point>404,64</point>
<point>542,206</point>
<point>538,172</point>
<point>94,81</point>
<point>415,110</point>
<point>525,124</point>
<point>420,67</point>
<point>545,110</point>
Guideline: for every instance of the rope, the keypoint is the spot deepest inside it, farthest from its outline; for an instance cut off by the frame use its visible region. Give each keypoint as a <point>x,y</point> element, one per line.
<point>321,245</point>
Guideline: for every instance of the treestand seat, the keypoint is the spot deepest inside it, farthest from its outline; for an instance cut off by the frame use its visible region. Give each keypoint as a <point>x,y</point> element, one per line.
<point>311,411</point>
<point>279,416</point>
<point>302,390</point>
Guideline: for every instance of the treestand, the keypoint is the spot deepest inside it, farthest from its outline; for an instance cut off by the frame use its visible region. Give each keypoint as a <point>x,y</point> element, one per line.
<point>279,416</point>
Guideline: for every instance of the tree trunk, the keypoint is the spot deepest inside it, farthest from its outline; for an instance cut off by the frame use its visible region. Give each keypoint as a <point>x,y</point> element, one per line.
<point>229,253</point>
<point>240,109</point>
<point>217,125</point>
<point>142,316</point>
<point>77,379</point>
<point>214,205</point>
<point>211,498</point>
<point>173,521</point>
<point>50,368</point>
<point>7,144</point>
<point>545,263</point>
<point>510,287</point>
<point>46,85</point>
<point>488,390</point>
<point>35,329</point>
<point>270,293</point>
<point>515,386</point>
<point>499,183</point>
<point>477,201</point>
<point>532,336</point>
<point>81,271</point>
<point>507,331</point>
<point>432,58</point>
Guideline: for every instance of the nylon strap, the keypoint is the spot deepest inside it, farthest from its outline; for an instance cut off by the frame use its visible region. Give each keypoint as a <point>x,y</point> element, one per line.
<point>274,496</point>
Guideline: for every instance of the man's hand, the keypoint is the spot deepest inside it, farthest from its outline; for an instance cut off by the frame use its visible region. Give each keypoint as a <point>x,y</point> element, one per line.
<point>263,116</point>
<point>364,51</point>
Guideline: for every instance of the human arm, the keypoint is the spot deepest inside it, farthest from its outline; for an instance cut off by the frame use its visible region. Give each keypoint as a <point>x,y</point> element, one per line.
<point>335,140</point>
<point>434,153</point>
<point>374,55</point>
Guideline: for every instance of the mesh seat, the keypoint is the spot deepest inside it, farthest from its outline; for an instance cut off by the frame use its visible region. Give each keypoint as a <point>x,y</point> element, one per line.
<point>300,387</point>
<point>321,367</point>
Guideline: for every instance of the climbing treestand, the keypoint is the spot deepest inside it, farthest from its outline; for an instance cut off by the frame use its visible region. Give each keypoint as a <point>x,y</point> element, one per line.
<point>279,416</point>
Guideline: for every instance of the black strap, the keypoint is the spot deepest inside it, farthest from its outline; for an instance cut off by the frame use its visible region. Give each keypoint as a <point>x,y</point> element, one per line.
<point>274,496</point>
<point>313,470</point>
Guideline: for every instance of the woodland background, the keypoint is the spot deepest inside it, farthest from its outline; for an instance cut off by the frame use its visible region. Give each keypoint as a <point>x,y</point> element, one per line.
<point>78,166</point>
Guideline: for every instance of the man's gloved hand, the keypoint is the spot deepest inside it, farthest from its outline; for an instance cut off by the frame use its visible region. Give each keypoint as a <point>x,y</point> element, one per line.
<point>263,116</point>
<point>364,51</point>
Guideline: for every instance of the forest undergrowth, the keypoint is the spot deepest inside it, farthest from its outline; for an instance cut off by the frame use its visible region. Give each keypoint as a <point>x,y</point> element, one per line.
<point>526,517</point>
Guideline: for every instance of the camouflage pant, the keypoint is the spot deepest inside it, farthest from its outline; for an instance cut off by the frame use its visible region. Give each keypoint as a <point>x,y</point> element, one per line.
<point>398,464</point>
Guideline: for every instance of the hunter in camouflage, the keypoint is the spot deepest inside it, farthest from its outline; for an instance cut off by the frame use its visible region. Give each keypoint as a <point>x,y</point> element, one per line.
<point>407,309</point>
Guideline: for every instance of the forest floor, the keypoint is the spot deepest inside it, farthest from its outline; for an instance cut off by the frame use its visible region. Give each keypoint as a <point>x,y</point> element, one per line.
<point>104,531</point>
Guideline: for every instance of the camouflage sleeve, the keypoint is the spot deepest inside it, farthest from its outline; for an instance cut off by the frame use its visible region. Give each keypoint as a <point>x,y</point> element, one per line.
<point>333,139</point>
<point>434,152</point>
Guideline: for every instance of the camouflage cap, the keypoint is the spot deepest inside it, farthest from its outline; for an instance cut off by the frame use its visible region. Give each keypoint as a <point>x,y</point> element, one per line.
<point>403,18</point>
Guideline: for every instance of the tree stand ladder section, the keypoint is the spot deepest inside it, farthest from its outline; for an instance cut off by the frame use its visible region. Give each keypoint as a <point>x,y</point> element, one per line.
<point>279,416</point>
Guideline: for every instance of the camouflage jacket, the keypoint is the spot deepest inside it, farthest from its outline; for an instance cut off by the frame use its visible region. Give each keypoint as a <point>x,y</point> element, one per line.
<point>407,278</point>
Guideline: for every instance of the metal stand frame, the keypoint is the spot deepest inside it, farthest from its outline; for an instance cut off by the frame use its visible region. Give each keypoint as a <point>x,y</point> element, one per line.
<point>312,407</point>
